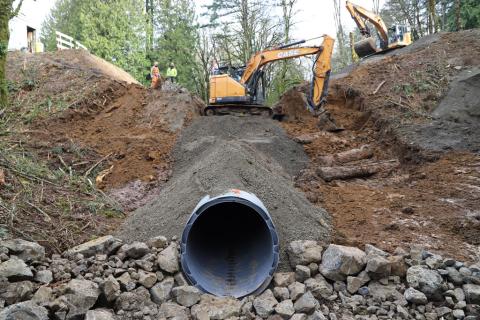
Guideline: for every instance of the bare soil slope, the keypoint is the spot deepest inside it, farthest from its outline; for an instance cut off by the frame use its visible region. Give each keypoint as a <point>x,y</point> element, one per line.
<point>429,192</point>
<point>83,125</point>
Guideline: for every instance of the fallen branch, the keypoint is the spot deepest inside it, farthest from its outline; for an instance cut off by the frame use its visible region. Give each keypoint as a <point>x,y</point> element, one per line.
<point>355,171</point>
<point>364,152</point>
<point>96,164</point>
<point>379,86</point>
<point>47,217</point>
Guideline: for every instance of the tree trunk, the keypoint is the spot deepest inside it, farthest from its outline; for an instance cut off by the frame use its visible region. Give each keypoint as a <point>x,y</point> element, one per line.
<point>364,152</point>
<point>5,15</point>
<point>433,18</point>
<point>458,8</point>
<point>355,171</point>
<point>417,17</point>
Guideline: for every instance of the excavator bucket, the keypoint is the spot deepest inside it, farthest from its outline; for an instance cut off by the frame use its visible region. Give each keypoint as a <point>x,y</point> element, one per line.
<point>365,47</point>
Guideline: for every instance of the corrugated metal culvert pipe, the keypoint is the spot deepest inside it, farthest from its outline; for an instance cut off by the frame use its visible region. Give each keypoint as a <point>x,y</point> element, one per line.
<point>230,245</point>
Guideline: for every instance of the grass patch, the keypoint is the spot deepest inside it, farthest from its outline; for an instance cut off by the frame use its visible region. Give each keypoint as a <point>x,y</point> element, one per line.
<point>51,202</point>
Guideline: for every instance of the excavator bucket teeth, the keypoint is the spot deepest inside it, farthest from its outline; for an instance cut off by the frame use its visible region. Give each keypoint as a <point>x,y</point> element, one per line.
<point>365,47</point>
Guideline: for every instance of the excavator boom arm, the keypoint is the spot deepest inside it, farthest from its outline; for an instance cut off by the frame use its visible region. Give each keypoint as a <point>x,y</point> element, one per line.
<point>321,70</point>
<point>359,13</point>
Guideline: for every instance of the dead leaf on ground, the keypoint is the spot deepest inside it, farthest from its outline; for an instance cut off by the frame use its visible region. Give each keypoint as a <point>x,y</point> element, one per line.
<point>2,177</point>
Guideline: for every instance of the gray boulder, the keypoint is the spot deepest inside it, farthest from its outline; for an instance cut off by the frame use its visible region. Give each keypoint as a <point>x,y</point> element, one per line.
<point>168,259</point>
<point>265,303</point>
<point>162,291</point>
<point>299,316</point>
<point>80,296</point>
<point>43,295</point>
<point>283,279</point>
<point>157,242</point>
<point>186,296</point>
<point>434,261</point>
<point>281,293</point>
<point>318,315</point>
<point>306,303</point>
<point>296,290</point>
<point>302,273</point>
<point>44,276</point>
<point>134,250</point>
<point>304,252</point>
<point>285,309</point>
<point>25,250</point>
<point>355,283</point>
<point>378,266</point>
<point>319,287</point>
<point>15,269</point>
<point>338,262</point>
<point>398,266</point>
<point>103,245</point>
<point>16,292</point>
<point>454,276</point>
<point>100,314</point>
<point>216,308</point>
<point>134,300</point>
<point>147,279</point>
<point>27,310</point>
<point>415,296</point>
<point>425,280</point>
<point>370,249</point>
<point>472,293</point>
<point>110,288</point>
<point>172,310</point>
<point>385,292</point>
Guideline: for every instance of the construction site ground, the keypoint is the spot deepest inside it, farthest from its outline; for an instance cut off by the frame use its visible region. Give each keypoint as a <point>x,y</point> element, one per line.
<point>84,147</point>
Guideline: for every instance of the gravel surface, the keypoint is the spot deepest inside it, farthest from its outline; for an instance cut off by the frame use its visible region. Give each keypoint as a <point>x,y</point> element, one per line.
<point>219,153</point>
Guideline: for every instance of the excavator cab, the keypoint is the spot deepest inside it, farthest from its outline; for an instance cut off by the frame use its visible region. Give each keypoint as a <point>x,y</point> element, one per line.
<point>399,36</point>
<point>389,38</point>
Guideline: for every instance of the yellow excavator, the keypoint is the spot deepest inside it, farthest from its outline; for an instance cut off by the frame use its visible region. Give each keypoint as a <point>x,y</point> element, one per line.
<point>242,90</point>
<point>396,36</point>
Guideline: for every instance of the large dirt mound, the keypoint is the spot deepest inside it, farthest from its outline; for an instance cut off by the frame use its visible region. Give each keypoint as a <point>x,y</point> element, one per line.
<point>79,60</point>
<point>135,131</point>
<point>216,154</point>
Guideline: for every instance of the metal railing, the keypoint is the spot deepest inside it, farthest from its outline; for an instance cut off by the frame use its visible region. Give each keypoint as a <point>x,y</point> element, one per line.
<point>66,42</point>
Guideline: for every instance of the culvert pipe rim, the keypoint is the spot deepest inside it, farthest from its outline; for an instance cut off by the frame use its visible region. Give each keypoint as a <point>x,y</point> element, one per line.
<point>229,246</point>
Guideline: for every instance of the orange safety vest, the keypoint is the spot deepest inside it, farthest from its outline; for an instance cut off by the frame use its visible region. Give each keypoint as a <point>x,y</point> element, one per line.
<point>155,77</point>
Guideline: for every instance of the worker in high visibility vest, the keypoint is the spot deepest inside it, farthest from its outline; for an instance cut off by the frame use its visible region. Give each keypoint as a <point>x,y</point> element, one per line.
<point>172,73</point>
<point>155,75</point>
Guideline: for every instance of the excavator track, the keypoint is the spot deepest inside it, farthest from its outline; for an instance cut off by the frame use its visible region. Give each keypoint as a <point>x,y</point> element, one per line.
<point>238,109</point>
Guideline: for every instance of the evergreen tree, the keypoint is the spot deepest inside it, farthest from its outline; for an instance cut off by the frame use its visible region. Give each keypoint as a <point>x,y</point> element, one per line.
<point>7,12</point>
<point>114,30</point>
<point>176,38</point>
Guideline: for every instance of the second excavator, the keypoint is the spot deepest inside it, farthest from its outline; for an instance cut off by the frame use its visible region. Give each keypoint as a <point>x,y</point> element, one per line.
<point>242,90</point>
<point>396,36</point>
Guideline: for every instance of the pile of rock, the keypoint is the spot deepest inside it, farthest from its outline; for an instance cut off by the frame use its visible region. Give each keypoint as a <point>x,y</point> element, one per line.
<point>107,279</point>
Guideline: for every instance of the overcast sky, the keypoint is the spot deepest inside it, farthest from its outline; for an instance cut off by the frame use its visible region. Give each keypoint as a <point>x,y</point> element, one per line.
<point>314,18</point>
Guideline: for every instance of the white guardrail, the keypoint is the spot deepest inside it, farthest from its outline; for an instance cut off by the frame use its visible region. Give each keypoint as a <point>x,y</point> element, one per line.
<point>66,42</point>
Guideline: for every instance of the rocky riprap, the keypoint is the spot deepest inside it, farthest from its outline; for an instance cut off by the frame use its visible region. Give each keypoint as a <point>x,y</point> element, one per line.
<point>108,279</point>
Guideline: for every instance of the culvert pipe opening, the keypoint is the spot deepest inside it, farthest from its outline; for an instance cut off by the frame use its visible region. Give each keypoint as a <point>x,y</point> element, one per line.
<point>230,245</point>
